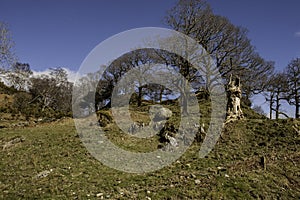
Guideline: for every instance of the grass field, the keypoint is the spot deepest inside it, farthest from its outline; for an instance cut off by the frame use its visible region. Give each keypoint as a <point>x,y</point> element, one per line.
<point>253,159</point>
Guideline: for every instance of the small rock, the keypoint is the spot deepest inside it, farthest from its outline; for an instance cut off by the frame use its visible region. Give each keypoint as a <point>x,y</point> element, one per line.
<point>211,170</point>
<point>13,142</point>
<point>148,198</point>
<point>160,113</point>
<point>43,174</point>
<point>226,175</point>
<point>173,142</point>
<point>197,181</point>
<point>221,169</point>
<point>99,194</point>
<point>193,176</point>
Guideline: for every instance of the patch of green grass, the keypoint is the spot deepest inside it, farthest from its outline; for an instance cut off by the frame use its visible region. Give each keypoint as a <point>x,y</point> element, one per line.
<point>232,170</point>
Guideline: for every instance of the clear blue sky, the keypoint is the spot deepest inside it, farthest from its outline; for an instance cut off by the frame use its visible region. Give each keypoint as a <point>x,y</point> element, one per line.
<point>60,33</point>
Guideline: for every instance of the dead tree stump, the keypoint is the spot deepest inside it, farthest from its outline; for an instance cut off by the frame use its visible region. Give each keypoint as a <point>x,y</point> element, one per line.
<point>234,92</point>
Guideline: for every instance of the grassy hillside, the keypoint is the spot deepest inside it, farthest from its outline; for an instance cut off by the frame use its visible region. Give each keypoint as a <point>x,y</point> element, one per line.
<point>254,159</point>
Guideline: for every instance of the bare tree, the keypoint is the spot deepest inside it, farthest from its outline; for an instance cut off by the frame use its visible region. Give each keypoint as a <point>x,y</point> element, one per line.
<point>228,45</point>
<point>293,75</point>
<point>64,88</point>
<point>276,93</point>
<point>157,92</point>
<point>22,103</point>
<point>7,56</point>
<point>19,76</point>
<point>141,61</point>
<point>53,92</point>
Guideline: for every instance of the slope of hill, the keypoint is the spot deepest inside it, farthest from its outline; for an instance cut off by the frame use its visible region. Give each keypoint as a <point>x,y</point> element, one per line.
<point>4,89</point>
<point>9,116</point>
<point>253,159</point>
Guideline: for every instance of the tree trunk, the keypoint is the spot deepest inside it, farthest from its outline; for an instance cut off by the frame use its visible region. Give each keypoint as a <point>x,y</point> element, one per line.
<point>160,95</point>
<point>271,107</point>
<point>277,106</point>
<point>297,113</point>
<point>184,98</point>
<point>139,100</point>
<point>184,105</point>
<point>297,103</point>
